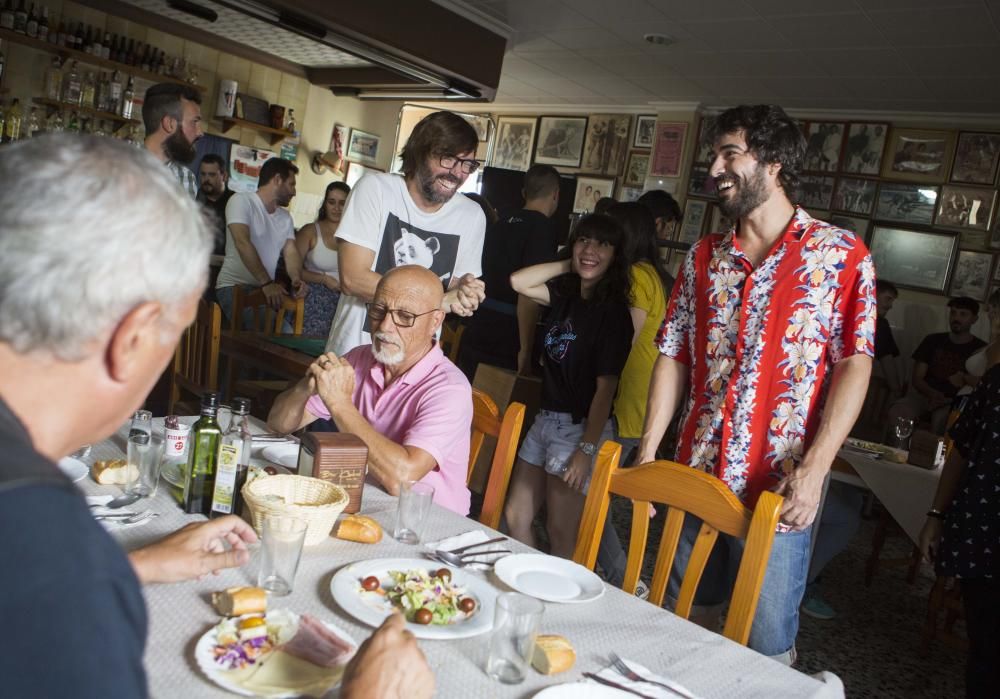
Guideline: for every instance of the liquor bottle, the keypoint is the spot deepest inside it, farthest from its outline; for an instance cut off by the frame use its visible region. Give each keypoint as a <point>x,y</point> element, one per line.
<point>44,32</point>
<point>61,34</point>
<point>3,121</point>
<point>106,46</point>
<point>12,129</point>
<point>53,79</point>
<point>7,15</point>
<point>34,125</point>
<point>147,58</point>
<point>115,93</point>
<point>55,122</point>
<point>73,124</point>
<point>87,91</point>
<point>78,37</point>
<point>71,85</point>
<point>101,93</point>
<point>118,51</point>
<point>20,18</point>
<point>128,98</point>
<point>233,462</point>
<point>31,28</point>
<point>130,53</point>
<point>203,453</point>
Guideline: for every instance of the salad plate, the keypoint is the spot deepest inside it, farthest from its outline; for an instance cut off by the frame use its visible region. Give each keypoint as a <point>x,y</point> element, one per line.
<point>549,578</point>
<point>373,606</point>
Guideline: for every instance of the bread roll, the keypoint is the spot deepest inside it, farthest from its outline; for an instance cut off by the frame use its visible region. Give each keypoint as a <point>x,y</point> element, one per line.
<point>113,472</point>
<point>360,528</point>
<point>237,601</point>
<point>552,654</point>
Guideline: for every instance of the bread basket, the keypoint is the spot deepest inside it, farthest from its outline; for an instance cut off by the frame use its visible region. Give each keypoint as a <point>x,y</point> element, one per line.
<point>317,502</point>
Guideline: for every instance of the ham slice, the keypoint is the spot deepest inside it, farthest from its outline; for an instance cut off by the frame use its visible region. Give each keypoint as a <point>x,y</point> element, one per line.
<point>315,643</point>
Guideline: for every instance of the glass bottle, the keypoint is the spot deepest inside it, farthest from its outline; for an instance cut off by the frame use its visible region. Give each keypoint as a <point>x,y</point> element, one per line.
<point>71,85</point>
<point>34,124</point>
<point>128,98</point>
<point>12,129</point>
<point>20,18</point>
<point>115,93</point>
<point>55,123</point>
<point>233,462</point>
<point>53,79</point>
<point>43,25</point>
<point>61,35</point>
<point>87,91</point>
<point>7,15</point>
<point>3,120</point>
<point>106,46</point>
<point>203,453</point>
<point>31,27</point>
<point>74,121</point>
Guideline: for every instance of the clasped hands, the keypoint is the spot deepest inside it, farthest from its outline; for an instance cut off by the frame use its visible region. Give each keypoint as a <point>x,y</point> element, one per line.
<point>464,298</point>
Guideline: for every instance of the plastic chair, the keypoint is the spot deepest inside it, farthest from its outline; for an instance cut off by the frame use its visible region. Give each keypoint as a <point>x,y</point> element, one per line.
<point>265,320</point>
<point>196,359</point>
<point>486,421</point>
<point>683,489</point>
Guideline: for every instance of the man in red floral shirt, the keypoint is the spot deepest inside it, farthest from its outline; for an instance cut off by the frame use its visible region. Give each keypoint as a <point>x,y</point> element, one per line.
<point>769,339</point>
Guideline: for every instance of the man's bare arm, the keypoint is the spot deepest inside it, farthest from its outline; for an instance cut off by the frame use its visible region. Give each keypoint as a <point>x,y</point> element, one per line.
<point>356,275</point>
<point>248,253</point>
<point>666,389</point>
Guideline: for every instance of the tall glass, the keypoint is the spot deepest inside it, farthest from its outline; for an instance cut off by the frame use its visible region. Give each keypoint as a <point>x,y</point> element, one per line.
<point>513,640</point>
<point>415,500</point>
<point>143,455</point>
<point>281,549</point>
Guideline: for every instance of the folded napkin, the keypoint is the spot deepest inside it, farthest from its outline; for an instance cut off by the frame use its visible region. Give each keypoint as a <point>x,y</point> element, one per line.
<point>467,539</point>
<point>650,690</point>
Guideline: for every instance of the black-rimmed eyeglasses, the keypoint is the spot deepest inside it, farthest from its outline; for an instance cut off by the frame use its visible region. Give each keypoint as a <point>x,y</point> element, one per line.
<point>404,319</point>
<point>450,161</point>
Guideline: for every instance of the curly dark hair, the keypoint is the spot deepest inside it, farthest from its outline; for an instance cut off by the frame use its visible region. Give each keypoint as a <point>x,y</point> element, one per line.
<point>614,286</point>
<point>639,244</point>
<point>771,135</point>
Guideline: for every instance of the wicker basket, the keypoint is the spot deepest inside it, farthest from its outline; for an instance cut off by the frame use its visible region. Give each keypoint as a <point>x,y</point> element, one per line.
<point>317,502</point>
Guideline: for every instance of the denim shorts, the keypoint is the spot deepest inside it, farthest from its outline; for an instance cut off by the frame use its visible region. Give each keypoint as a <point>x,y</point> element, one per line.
<point>553,438</point>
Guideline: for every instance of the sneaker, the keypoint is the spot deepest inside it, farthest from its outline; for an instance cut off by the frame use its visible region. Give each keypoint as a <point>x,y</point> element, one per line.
<point>814,606</point>
<point>642,590</point>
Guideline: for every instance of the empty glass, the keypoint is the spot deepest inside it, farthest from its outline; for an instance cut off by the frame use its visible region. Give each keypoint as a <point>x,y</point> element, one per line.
<point>514,628</point>
<point>414,503</point>
<point>280,552</point>
<point>143,455</point>
<point>903,430</point>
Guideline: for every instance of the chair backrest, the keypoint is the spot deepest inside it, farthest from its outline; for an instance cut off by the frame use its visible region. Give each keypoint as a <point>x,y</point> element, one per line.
<point>451,339</point>
<point>196,359</point>
<point>265,320</point>
<point>486,421</point>
<point>682,489</point>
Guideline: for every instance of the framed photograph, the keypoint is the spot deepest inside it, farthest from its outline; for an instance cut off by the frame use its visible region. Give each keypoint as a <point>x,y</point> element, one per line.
<point>628,194</point>
<point>976,158</point>
<point>560,140</point>
<point>823,144</point>
<point>635,171</point>
<point>972,275</point>
<point>855,195</point>
<point>590,190</point>
<point>481,123</point>
<point>965,207</point>
<point>996,273</point>
<point>695,213</point>
<point>355,171</point>
<point>909,203</point>
<point>362,147</point>
<point>669,148</point>
<point>918,155</point>
<point>914,259</point>
<point>701,184</point>
<point>855,224</point>
<point>703,151</point>
<point>864,148</point>
<point>815,191</point>
<point>606,144</point>
<point>515,137</point>
<point>338,140</point>
<point>645,131</point>
<point>718,222</point>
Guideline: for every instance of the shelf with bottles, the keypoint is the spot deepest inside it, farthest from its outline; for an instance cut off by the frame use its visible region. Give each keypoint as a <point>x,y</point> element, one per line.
<point>51,104</point>
<point>90,59</point>
<point>275,135</point>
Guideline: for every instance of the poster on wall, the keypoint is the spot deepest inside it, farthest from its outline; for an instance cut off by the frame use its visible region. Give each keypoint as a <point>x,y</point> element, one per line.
<point>244,167</point>
<point>669,149</point>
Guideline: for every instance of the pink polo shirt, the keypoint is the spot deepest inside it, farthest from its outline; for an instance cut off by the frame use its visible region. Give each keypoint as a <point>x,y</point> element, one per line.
<point>430,407</point>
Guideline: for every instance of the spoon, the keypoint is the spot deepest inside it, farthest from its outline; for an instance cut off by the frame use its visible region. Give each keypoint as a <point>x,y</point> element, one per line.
<point>120,501</point>
<point>459,560</point>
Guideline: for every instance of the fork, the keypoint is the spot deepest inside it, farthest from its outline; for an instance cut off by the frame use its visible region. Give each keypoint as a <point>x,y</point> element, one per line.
<point>631,674</point>
<point>130,519</point>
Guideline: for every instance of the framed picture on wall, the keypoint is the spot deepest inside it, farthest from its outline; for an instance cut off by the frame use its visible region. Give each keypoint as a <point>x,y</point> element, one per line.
<point>855,224</point>
<point>815,191</point>
<point>695,214</point>
<point>338,141</point>
<point>355,171</point>
<point>914,259</point>
<point>908,203</point>
<point>515,137</point>
<point>560,140</point>
<point>590,190</point>
<point>976,158</point>
<point>823,143</point>
<point>965,207</point>
<point>702,150</point>
<point>481,123</point>
<point>700,183</point>
<point>855,195</point>
<point>636,169</point>
<point>972,275</point>
<point>718,222</point>
<point>669,149</point>
<point>362,147</point>
<point>918,155</point>
<point>645,131</point>
<point>864,147</point>
<point>606,144</point>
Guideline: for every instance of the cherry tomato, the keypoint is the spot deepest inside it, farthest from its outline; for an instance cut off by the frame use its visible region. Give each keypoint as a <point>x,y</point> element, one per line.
<point>271,470</point>
<point>467,604</point>
<point>370,583</point>
<point>443,573</point>
<point>423,616</point>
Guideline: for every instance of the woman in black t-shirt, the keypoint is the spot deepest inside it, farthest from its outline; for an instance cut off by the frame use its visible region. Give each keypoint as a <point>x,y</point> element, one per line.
<point>588,333</point>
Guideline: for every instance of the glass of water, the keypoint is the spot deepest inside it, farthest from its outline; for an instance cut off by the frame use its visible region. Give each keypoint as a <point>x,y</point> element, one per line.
<point>415,500</point>
<point>143,454</point>
<point>514,628</point>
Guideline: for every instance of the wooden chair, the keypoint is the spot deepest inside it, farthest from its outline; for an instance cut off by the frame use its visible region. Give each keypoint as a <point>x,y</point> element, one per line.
<point>682,489</point>
<point>265,320</point>
<point>486,421</point>
<point>451,339</point>
<point>196,360</point>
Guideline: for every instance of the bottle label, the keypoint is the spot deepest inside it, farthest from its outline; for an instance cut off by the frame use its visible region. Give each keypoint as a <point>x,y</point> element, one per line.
<point>176,442</point>
<point>225,478</point>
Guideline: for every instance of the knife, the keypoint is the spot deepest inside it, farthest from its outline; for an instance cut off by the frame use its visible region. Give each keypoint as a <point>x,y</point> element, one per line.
<point>609,683</point>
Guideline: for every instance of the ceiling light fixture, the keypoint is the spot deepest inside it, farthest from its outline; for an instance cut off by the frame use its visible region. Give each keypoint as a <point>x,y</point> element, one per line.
<point>659,39</point>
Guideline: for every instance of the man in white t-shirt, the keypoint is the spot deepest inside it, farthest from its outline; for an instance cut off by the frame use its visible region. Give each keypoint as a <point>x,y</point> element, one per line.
<point>391,221</point>
<point>258,231</point>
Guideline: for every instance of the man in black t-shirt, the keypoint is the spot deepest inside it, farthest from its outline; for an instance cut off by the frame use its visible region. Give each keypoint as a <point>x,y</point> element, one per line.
<point>502,331</point>
<point>213,195</point>
<point>939,367</point>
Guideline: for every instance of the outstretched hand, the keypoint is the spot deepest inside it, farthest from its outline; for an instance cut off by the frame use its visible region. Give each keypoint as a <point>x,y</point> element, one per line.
<point>195,551</point>
<point>389,665</point>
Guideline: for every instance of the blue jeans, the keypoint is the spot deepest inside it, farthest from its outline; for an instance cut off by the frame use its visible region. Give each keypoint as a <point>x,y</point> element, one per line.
<point>776,622</point>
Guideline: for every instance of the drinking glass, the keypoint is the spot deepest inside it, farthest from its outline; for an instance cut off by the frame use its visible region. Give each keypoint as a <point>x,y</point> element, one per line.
<point>513,639</point>
<point>280,552</point>
<point>903,430</point>
<point>143,456</point>
<point>414,503</point>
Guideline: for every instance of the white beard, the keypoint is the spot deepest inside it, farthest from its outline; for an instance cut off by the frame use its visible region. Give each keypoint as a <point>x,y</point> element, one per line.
<point>385,355</point>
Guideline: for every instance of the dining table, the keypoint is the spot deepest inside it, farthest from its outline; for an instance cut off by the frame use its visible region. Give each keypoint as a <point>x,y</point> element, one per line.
<point>705,663</point>
<point>287,356</point>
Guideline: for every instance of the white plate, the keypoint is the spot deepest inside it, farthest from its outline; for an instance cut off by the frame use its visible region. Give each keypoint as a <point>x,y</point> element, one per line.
<point>74,469</point>
<point>581,690</point>
<point>285,454</point>
<point>549,578</point>
<point>206,661</point>
<point>372,609</point>
<point>173,474</point>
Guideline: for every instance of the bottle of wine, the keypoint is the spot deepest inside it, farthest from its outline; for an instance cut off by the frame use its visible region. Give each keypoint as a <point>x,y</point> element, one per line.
<point>234,460</point>
<point>31,28</point>
<point>12,129</point>
<point>128,98</point>
<point>87,91</point>
<point>7,15</point>
<point>53,79</point>
<point>71,85</point>
<point>203,454</point>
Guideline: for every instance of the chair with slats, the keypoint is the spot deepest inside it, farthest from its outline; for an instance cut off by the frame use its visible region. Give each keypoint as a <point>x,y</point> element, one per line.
<point>266,320</point>
<point>451,339</point>
<point>486,421</point>
<point>196,360</point>
<point>682,489</point>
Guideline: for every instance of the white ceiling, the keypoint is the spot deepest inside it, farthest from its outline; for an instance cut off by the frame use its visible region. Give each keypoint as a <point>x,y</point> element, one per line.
<point>877,55</point>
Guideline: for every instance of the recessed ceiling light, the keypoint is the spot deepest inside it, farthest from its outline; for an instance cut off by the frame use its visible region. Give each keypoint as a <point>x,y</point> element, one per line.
<point>659,39</point>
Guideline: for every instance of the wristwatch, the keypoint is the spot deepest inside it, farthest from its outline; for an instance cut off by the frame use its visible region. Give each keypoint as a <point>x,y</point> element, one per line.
<point>588,448</point>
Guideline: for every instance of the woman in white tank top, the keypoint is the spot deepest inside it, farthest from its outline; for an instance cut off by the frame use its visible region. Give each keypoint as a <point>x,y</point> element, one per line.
<point>317,246</point>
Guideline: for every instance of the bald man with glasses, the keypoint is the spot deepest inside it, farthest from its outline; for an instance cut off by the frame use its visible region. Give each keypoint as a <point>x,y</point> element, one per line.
<point>401,395</point>
<point>392,221</point>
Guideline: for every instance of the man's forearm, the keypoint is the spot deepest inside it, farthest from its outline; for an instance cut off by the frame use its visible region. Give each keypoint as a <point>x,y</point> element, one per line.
<point>666,390</point>
<point>848,387</point>
<point>288,411</point>
<point>388,462</point>
<point>293,261</point>
<point>251,260</point>
<point>360,283</point>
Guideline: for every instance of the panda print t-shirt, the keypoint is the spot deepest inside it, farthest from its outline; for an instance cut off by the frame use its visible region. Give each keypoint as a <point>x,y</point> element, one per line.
<point>382,216</point>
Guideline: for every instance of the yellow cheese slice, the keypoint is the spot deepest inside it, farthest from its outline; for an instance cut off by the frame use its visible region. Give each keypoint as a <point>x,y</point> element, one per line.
<point>281,673</point>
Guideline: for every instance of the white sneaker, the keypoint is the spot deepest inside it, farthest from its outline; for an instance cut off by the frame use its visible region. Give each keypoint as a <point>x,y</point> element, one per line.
<point>641,590</point>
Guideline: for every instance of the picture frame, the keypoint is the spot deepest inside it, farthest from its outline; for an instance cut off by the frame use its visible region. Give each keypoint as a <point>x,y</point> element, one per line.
<point>589,190</point>
<point>702,150</point>
<point>855,195</point>
<point>906,203</point>
<point>718,222</point>
<point>514,142</point>
<point>481,123</point>
<point>972,274</point>
<point>668,150</point>
<point>362,147</point>
<point>355,171</point>
<point>700,183</point>
<point>994,237</point>
<point>645,131</point>
<point>606,144</point>
<point>918,155</point>
<point>636,169</point>
<point>965,207</point>
<point>977,156</point>
<point>855,224</point>
<point>629,194</point>
<point>996,273</point>
<point>693,223</point>
<point>824,142</point>
<point>560,140</point>
<point>919,260</point>
<point>338,140</point>
<point>815,191</point>
<point>864,147</point>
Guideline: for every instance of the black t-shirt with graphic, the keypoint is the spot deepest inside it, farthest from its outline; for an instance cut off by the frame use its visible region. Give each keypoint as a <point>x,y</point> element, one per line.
<point>944,358</point>
<point>582,340</point>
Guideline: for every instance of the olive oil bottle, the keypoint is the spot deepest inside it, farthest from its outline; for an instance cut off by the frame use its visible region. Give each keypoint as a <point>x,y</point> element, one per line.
<point>203,454</point>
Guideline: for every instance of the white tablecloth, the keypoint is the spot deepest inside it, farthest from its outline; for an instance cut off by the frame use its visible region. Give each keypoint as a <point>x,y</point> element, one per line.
<point>706,663</point>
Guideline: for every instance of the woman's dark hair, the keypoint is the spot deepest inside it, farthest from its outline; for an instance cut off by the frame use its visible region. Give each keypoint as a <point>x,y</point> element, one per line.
<point>614,285</point>
<point>771,135</point>
<point>639,244</point>
<point>342,186</point>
